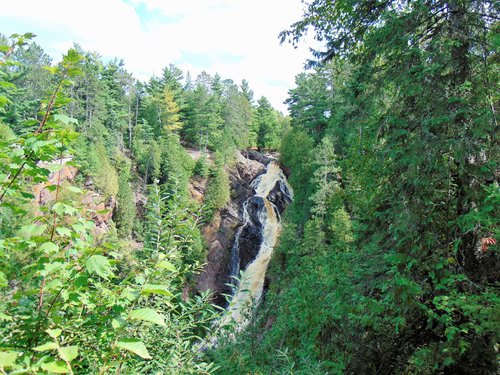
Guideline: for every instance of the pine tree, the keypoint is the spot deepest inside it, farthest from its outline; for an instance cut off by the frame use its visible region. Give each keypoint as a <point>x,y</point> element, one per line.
<point>325,177</point>
<point>269,133</point>
<point>125,207</point>
<point>170,116</point>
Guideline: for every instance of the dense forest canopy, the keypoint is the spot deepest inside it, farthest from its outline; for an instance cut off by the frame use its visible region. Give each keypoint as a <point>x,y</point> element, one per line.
<point>95,268</point>
<point>388,258</point>
<point>388,262</point>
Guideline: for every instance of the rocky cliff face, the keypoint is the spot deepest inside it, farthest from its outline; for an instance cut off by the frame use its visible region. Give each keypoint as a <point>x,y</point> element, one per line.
<point>220,233</point>
<point>100,208</point>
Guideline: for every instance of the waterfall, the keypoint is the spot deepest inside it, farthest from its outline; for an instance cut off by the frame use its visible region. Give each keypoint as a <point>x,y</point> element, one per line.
<point>234,267</point>
<point>272,194</point>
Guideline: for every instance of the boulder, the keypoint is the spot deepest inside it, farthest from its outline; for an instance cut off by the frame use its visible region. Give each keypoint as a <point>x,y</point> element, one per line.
<point>279,196</point>
<point>257,156</point>
<point>251,235</point>
<point>197,188</point>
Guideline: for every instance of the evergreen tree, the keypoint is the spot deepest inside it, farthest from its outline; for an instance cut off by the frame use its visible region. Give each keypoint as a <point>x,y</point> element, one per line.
<point>102,171</point>
<point>204,123</point>
<point>269,133</point>
<point>246,91</point>
<point>125,212</point>
<point>170,117</point>
<point>325,176</point>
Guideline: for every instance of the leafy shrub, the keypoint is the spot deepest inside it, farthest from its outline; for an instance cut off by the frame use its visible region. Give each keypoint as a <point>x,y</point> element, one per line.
<point>202,167</point>
<point>125,211</point>
<point>218,191</point>
<point>72,303</point>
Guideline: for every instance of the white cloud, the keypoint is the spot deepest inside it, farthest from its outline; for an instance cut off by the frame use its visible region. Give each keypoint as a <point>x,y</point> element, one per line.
<point>150,34</point>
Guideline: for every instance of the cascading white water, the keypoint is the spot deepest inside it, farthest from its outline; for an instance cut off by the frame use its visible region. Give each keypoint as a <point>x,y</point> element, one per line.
<point>234,270</point>
<point>251,284</point>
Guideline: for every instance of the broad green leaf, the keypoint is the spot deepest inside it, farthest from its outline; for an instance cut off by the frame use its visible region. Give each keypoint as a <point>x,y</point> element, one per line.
<point>48,268</point>
<point>65,119</point>
<point>27,195</point>
<point>70,210</point>
<point>7,359</point>
<point>99,265</point>
<point>51,188</point>
<point>5,317</point>
<point>129,294</point>
<point>32,230</point>
<point>135,346</point>
<point>30,122</point>
<point>148,315</point>
<point>55,168</point>
<point>166,265</point>
<point>75,189</point>
<point>45,347</point>
<point>58,208</point>
<point>58,367</point>
<point>64,209</point>
<point>51,69</point>
<point>139,279</point>
<point>54,333</point>
<point>72,57</point>
<point>3,280</point>
<point>54,284</point>
<point>68,353</point>
<point>118,323</point>
<point>49,248</point>
<point>157,289</point>
<point>81,280</point>
<point>79,228</point>
<point>63,232</point>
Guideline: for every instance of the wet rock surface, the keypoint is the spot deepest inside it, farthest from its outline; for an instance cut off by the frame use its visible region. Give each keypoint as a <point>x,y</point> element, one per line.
<point>220,233</point>
<point>257,156</point>
<point>235,235</point>
<point>251,235</point>
<point>279,196</point>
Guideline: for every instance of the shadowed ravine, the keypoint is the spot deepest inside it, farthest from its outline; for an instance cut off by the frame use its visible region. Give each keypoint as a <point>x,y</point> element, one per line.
<point>261,211</point>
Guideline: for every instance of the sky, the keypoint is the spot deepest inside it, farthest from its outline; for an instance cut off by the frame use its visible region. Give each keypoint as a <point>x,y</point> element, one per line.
<point>236,38</point>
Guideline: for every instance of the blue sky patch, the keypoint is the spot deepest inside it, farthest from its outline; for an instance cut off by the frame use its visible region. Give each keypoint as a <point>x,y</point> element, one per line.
<point>147,15</point>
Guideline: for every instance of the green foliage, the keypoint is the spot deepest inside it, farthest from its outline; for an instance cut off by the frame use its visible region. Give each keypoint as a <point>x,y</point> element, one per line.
<point>171,117</point>
<point>6,134</point>
<point>218,191</point>
<point>386,262</point>
<point>269,132</point>
<point>106,301</point>
<point>177,165</point>
<point>202,167</point>
<point>125,207</point>
<point>325,177</point>
<point>204,121</point>
<point>296,154</point>
<point>72,303</point>
<point>103,173</point>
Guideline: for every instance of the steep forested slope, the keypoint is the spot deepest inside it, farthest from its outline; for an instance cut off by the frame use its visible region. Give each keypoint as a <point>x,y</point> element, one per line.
<point>84,144</point>
<point>388,262</point>
<point>388,258</point>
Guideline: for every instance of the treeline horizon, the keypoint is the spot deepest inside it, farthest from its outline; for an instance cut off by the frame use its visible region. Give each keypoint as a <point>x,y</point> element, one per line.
<point>75,300</point>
